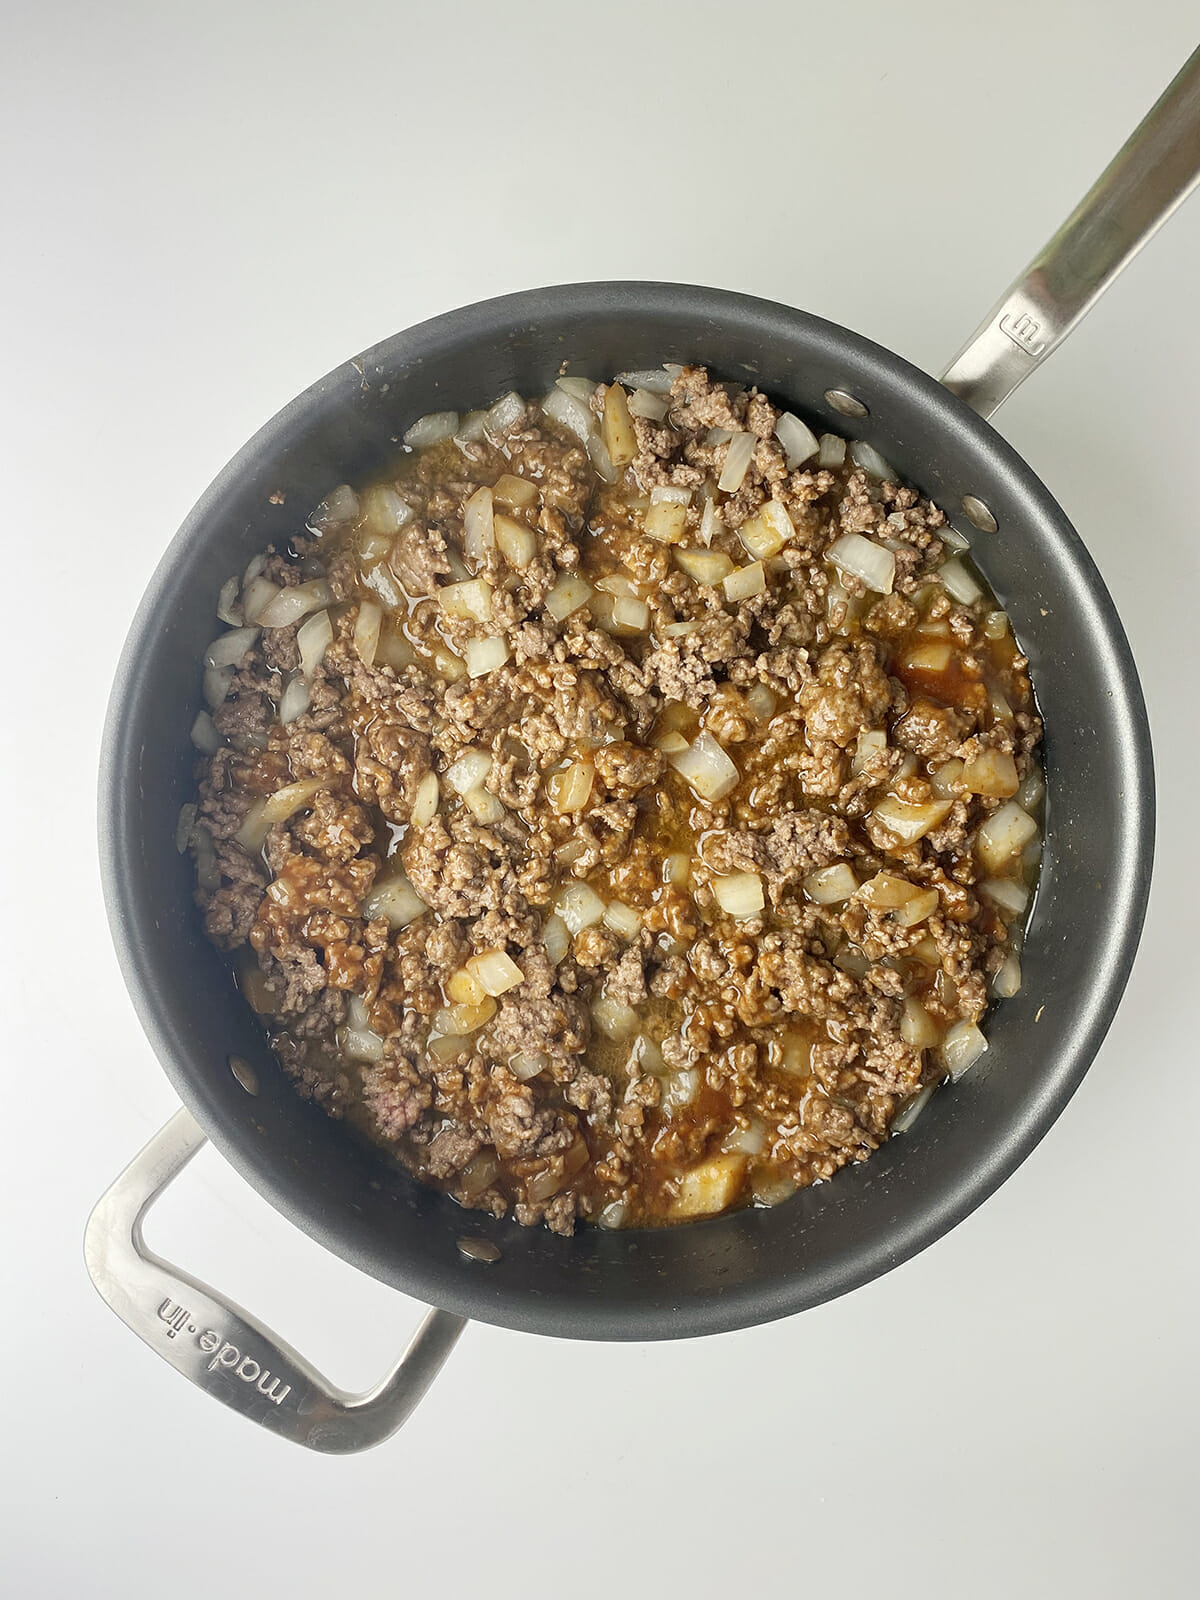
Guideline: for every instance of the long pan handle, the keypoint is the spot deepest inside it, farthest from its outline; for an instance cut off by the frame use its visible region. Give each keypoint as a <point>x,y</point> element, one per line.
<point>1153,172</point>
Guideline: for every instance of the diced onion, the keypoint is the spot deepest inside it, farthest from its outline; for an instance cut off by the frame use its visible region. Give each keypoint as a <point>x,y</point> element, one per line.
<point>425,801</point>
<point>832,452</point>
<point>504,415</point>
<point>567,595</point>
<point>516,494</point>
<point>430,429</point>
<point>472,428</point>
<point>761,702</point>
<point>614,1018</point>
<point>917,1027</point>
<point>711,522</point>
<point>737,462</point>
<point>620,439</point>
<point>679,630</point>
<point>798,440</point>
<point>871,563</point>
<point>495,972</point>
<point>336,510</point>
<point>1032,790</point>
<point>204,734</point>
<point>613,1215</point>
<point>992,773</point>
<point>483,806</point>
<point>677,869</point>
<point>231,648</point>
<point>570,413</point>
<point>384,513</point>
<point>828,886</point>
<point>579,907</point>
<point>514,541</point>
<point>1007,981</point>
<point>958,582</point>
<point>622,920</point>
<point>556,938</point>
<point>923,904</point>
<point>644,403</point>
<point>962,1047</point>
<point>740,894</point>
<point>932,657</point>
<point>478,528</point>
<point>681,1088</point>
<point>656,379</point>
<point>360,1044</point>
<point>313,638</point>
<point>381,579</point>
<point>569,790</point>
<point>1009,895</point>
<point>710,1187</point>
<point>630,616</point>
<point>676,494</point>
<point>469,771</point>
<point>464,988</point>
<point>910,822</point>
<point>703,566</point>
<point>666,521</point>
<point>947,780</point>
<point>460,1019</point>
<point>184,826</point>
<point>256,595</point>
<point>485,655</point>
<point>468,601</point>
<point>886,892</point>
<point>227,606</point>
<point>580,388</point>
<point>749,1141</point>
<point>217,682</point>
<point>527,1064</point>
<point>873,464</point>
<point>289,605</point>
<point>1002,835</point>
<point>293,702</point>
<point>870,745</point>
<point>952,539</point>
<point>366,631</point>
<point>395,899</point>
<point>912,1109</point>
<point>263,814</point>
<point>706,767</point>
<point>744,582</point>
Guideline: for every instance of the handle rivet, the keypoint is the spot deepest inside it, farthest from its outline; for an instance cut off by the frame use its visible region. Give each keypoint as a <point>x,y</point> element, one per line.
<point>244,1073</point>
<point>479,1249</point>
<point>979,514</point>
<point>846,403</point>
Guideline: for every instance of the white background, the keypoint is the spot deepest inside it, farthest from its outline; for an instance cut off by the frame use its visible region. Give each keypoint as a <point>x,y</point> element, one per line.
<point>208,206</point>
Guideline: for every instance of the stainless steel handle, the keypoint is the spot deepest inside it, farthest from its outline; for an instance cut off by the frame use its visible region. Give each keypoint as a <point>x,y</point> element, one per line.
<point>220,1347</point>
<point>1153,172</point>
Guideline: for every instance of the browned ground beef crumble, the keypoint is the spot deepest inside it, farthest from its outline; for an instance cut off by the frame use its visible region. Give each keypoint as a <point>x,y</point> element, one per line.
<point>671,1059</point>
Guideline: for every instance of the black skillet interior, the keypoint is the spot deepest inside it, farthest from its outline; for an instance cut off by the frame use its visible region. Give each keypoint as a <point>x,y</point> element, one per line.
<point>730,1271</point>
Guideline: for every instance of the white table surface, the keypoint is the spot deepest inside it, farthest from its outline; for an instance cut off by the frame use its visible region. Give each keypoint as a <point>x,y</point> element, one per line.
<point>208,206</point>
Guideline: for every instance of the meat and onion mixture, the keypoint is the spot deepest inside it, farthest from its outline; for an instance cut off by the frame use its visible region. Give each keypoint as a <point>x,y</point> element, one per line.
<point>625,810</point>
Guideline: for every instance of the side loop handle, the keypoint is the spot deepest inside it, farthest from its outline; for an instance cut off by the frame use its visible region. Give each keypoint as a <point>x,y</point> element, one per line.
<point>223,1349</point>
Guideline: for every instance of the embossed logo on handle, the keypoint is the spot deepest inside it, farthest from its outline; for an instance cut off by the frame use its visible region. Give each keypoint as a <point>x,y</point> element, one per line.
<point>225,1355</point>
<point>1024,331</point>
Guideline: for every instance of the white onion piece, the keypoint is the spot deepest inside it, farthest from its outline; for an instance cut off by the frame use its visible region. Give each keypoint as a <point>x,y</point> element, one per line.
<point>711,522</point>
<point>665,520</point>
<point>1007,894</point>
<point>1002,835</point>
<point>228,609</point>
<point>645,403</point>
<point>910,822</point>
<point>703,566</point>
<point>601,459</point>
<point>745,582</point>
<point>716,436</point>
<point>1007,981</point>
<point>761,701</point>
<point>567,595</point>
<point>293,702</point>
<point>656,379</point>
<point>360,1044</point>
<point>740,894</point>
<point>798,440</point>
<point>505,413</point>
<point>958,582</point>
<point>395,899</point>
<point>870,745</point>
<point>952,539</point>
<point>472,428</point>
<point>183,828</point>
<point>366,631</point>
<point>578,388</point>
<point>737,462</point>
<point>204,734</point>
<point>962,1047</point>
<point>827,886</point>
<point>208,874</point>
<point>290,604</point>
<point>468,601</point>
<point>706,767</point>
<point>313,638</point>
<point>217,683</point>
<point>263,814</point>
<point>571,414</point>
<point>946,782</point>
<point>917,1027</point>
<point>675,493</point>
<point>832,452</point>
<point>614,1018</point>
<point>1032,790</point>
<point>622,920</point>
<point>383,511</point>
<point>613,1215</point>
<point>630,616</point>
<point>479,535</point>
<point>556,938</point>
<point>912,1109</point>
<point>430,429</point>
<point>495,972</point>
<point>992,773</point>
<point>527,1064</point>
<point>336,510</point>
<point>231,647</point>
<point>515,541</point>
<point>571,789</point>
<point>873,464</point>
<point>484,807</point>
<point>382,580</point>
<point>680,1089</point>
<point>255,596</point>
<point>469,771</point>
<point>751,1141</point>
<point>485,655</point>
<point>425,801</point>
<point>579,907</point>
<point>253,568</point>
<point>868,562</point>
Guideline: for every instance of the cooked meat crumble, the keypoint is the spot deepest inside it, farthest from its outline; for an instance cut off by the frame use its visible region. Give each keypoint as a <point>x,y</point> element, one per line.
<point>622,811</point>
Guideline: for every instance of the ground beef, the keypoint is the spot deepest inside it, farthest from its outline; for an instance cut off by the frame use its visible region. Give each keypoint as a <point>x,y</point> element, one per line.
<point>490,908</point>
